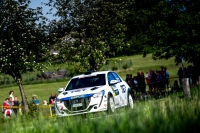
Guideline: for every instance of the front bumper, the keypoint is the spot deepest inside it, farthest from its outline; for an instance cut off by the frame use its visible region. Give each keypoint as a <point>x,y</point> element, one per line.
<point>83,106</point>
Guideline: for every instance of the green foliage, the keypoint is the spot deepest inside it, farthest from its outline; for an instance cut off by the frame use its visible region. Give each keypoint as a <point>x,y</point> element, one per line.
<point>33,110</point>
<point>23,41</point>
<point>114,68</point>
<point>172,114</point>
<point>125,66</point>
<point>96,32</point>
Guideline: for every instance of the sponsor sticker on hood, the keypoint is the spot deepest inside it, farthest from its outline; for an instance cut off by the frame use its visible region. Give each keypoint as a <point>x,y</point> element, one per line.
<point>78,96</point>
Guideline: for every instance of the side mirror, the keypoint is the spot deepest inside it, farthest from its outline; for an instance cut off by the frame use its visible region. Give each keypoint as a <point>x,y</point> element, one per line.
<point>60,90</point>
<point>112,82</point>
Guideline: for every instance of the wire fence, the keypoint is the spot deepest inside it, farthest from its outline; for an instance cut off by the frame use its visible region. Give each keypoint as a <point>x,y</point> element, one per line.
<point>45,110</point>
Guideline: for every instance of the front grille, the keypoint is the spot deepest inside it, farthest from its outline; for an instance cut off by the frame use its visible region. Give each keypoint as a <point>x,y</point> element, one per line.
<point>69,104</point>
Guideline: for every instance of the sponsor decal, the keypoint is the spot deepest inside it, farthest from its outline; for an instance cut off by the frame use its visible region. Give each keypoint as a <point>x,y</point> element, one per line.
<point>116,92</point>
<point>102,109</point>
<point>75,97</point>
<point>123,87</point>
<point>78,96</point>
<point>75,91</point>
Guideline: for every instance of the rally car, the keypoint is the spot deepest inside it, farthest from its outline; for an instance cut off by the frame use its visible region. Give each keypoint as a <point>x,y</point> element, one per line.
<point>93,92</point>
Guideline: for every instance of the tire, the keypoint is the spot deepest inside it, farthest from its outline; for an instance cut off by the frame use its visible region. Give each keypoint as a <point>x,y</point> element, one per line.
<point>130,101</point>
<point>110,105</point>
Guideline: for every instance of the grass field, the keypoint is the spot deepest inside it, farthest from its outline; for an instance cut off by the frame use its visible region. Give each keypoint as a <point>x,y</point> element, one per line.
<point>168,115</point>
<point>171,114</point>
<point>136,63</point>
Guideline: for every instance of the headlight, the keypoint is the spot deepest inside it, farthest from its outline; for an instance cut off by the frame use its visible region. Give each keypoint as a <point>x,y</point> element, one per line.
<point>99,94</point>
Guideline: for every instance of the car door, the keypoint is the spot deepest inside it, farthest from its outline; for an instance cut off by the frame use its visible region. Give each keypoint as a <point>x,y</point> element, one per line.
<point>115,89</point>
<point>122,89</point>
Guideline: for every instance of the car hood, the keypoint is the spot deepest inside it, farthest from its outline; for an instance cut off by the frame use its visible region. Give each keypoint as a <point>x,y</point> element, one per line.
<point>80,93</point>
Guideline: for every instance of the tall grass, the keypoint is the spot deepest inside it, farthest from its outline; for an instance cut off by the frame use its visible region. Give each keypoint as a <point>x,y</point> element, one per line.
<point>169,115</point>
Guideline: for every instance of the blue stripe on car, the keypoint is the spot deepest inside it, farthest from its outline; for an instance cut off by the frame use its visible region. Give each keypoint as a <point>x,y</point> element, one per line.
<point>76,97</point>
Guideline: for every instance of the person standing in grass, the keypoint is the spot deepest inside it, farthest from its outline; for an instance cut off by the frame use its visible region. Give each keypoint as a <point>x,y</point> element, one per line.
<point>148,81</point>
<point>11,94</point>
<point>6,108</point>
<point>166,77</point>
<point>128,80</point>
<point>16,105</point>
<point>34,100</point>
<point>52,98</point>
<point>180,75</point>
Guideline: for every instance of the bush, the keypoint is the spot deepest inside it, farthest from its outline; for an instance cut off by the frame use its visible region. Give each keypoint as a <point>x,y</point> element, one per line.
<point>125,66</point>
<point>114,68</point>
<point>33,110</point>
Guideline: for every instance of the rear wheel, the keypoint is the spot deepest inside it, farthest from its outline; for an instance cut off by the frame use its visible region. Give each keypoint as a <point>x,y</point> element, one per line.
<point>110,105</point>
<point>130,102</point>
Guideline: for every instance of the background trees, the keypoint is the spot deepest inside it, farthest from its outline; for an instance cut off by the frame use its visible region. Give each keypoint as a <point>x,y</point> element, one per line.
<point>88,32</point>
<point>97,31</point>
<point>23,39</point>
<point>106,28</point>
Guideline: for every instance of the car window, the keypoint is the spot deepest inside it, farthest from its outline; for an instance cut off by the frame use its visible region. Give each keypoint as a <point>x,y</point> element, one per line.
<point>116,76</point>
<point>88,81</point>
<point>110,77</point>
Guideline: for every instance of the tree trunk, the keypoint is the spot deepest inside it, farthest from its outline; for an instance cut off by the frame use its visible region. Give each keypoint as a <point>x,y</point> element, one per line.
<point>24,99</point>
<point>186,87</point>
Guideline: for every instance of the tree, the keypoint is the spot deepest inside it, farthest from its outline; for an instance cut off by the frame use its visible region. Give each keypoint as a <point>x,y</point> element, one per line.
<point>23,40</point>
<point>176,33</point>
<point>97,31</point>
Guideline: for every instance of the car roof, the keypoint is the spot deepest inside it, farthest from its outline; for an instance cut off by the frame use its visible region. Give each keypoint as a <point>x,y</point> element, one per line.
<point>92,73</point>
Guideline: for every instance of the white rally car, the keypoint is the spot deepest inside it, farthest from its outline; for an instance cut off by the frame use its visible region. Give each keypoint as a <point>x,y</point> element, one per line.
<point>93,92</point>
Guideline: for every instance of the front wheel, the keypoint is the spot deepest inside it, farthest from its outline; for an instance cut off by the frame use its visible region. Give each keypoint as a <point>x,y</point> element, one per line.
<point>110,105</point>
<point>130,103</point>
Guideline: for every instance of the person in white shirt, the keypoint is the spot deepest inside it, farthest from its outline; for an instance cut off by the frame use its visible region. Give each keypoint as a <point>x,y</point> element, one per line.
<point>11,94</point>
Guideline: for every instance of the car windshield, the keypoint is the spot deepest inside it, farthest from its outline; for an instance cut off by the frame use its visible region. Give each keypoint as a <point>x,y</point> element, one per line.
<point>88,81</point>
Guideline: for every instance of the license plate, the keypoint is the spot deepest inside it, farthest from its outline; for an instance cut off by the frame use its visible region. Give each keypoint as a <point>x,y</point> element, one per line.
<point>77,105</point>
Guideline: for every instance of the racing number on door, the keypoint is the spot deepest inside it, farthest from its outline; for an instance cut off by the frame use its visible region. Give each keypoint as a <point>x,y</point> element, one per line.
<point>123,87</point>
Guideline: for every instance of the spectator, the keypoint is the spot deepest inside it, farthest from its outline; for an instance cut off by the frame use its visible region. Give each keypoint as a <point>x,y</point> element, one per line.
<point>190,72</point>
<point>166,77</point>
<point>148,81</point>
<point>143,83</point>
<point>139,81</point>
<point>6,108</point>
<point>128,80</point>
<point>16,105</point>
<point>153,81</point>
<point>44,102</point>
<point>11,102</point>
<point>180,75</point>
<point>52,98</point>
<point>34,100</point>
<point>11,94</point>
